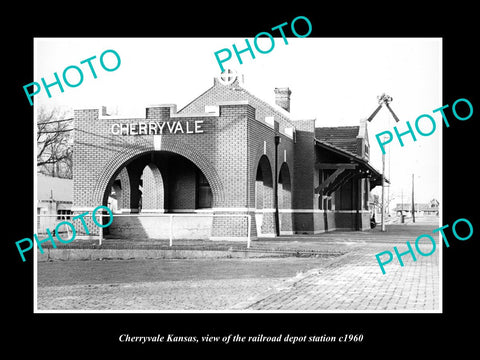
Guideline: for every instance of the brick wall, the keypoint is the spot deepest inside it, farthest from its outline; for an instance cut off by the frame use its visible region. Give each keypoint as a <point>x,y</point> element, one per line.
<point>137,227</point>
<point>220,152</point>
<point>235,143</point>
<point>99,155</point>
<point>303,173</point>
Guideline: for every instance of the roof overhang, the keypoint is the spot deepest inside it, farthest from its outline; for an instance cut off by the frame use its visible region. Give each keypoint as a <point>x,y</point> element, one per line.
<point>354,166</point>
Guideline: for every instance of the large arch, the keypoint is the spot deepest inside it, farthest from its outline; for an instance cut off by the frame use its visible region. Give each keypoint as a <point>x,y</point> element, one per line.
<point>121,159</point>
<point>162,181</point>
<point>264,184</point>
<point>284,188</point>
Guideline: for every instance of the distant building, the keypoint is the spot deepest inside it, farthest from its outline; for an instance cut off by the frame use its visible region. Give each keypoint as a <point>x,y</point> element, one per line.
<point>54,198</point>
<point>420,209</point>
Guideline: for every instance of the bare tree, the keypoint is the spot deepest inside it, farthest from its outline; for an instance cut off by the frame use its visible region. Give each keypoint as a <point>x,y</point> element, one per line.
<point>54,143</point>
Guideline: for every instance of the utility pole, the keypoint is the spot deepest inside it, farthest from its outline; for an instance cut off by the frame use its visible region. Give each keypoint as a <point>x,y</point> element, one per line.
<point>384,100</point>
<point>413,198</point>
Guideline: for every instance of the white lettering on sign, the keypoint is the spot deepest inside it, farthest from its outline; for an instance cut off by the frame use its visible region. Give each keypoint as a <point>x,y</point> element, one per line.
<point>158,128</point>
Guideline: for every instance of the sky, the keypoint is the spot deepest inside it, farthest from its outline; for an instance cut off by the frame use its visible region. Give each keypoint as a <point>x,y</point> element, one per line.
<point>333,80</point>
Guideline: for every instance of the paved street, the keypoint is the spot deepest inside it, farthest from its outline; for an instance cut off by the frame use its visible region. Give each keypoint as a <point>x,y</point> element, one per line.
<point>351,280</point>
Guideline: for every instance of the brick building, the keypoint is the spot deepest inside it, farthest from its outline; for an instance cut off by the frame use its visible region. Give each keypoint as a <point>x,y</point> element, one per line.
<point>225,153</point>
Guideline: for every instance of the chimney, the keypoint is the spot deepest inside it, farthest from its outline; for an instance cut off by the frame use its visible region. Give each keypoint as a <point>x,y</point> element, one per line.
<point>282,98</point>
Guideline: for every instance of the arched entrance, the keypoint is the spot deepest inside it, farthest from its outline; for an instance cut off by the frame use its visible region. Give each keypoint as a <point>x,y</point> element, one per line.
<point>264,211</point>
<point>116,164</point>
<point>159,182</point>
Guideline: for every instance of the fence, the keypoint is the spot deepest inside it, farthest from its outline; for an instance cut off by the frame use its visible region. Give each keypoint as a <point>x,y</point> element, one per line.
<point>150,225</point>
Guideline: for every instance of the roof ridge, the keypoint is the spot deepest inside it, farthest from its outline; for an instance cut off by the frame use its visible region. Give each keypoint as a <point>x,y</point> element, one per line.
<point>237,85</point>
<point>278,109</point>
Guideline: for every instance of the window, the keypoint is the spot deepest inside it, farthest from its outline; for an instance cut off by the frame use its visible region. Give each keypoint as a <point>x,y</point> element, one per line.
<point>324,202</point>
<point>328,203</point>
<point>64,214</point>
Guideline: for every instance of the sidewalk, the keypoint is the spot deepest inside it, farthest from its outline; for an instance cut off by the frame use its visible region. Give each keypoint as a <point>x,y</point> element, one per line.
<point>355,282</point>
<point>291,243</point>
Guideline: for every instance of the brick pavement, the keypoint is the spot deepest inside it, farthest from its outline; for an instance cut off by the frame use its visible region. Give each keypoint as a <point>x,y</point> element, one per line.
<point>354,282</point>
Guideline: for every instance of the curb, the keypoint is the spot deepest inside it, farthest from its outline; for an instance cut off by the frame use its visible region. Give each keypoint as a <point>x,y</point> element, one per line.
<point>51,254</point>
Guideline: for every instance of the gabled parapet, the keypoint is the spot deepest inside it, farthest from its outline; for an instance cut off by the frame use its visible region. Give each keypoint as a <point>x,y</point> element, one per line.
<point>363,144</point>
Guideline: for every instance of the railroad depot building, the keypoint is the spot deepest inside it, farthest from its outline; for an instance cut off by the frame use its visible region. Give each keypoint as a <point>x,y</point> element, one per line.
<point>225,155</point>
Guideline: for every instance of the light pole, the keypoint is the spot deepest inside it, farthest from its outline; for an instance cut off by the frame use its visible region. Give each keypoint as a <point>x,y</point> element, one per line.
<point>275,190</point>
<point>401,210</point>
<point>383,191</point>
<point>413,198</point>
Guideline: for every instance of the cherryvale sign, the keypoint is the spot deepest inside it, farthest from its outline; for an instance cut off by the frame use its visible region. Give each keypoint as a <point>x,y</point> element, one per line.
<point>158,128</point>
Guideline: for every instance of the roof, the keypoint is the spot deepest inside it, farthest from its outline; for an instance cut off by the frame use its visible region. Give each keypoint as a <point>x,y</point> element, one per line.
<point>342,137</point>
<point>377,176</point>
<point>236,92</point>
<point>54,188</point>
<point>343,140</point>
